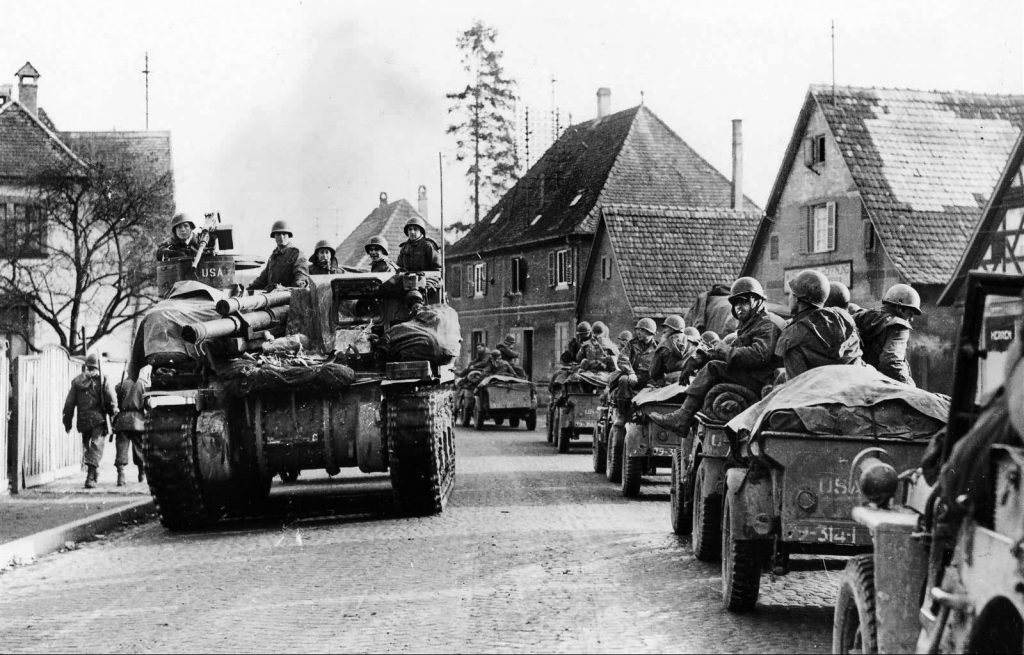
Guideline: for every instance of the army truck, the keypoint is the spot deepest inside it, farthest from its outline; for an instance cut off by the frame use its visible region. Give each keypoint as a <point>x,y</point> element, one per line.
<point>946,569</point>
<point>331,376</point>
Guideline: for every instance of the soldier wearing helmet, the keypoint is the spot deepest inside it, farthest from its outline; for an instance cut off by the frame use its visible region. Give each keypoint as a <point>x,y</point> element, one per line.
<point>624,338</point>
<point>749,361</point>
<point>323,261</point>
<point>94,399</point>
<point>181,243</point>
<point>377,249</point>
<point>634,361</point>
<point>674,351</point>
<point>506,347</point>
<point>885,332</point>
<point>838,296</point>
<point>286,266</point>
<point>817,335</point>
<point>597,353</point>
<point>583,334</point>
<point>418,252</point>
<point>498,366</point>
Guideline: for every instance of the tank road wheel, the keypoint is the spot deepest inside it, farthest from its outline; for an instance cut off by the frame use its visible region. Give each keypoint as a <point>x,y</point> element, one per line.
<point>531,420</point>
<point>707,512</point>
<point>184,500</point>
<point>741,569</point>
<point>421,446</point>
<point>599,452</point>
<point>613,467</point>
<point>632,476</point>
<point>478,414</point>
<point>513,421</point>
<point>854,626</point>
<point>680,504</point>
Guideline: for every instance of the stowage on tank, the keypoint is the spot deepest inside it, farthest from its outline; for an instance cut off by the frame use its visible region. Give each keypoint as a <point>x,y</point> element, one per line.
<point>344,373</point>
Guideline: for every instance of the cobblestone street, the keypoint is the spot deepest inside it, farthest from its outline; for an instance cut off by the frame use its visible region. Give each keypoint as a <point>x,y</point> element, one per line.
<point>534,553</point>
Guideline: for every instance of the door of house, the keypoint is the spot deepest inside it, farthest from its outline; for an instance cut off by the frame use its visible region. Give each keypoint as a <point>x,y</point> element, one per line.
<point>524,343</point>
<point>478,337</point>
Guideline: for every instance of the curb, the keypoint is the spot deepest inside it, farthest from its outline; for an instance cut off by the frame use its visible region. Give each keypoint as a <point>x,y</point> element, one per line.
<point>26,549</point>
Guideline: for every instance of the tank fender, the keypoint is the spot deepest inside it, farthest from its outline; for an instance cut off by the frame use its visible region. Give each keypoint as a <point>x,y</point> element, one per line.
<point>750,504</point>
<point>714,477</point>
<point>637,443</point>
<point>213,445</point>
<point>371,448</point>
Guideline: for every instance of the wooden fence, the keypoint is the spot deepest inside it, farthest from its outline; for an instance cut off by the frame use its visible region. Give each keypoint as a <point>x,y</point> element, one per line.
<point>5,393</point>
<point>42,451</point>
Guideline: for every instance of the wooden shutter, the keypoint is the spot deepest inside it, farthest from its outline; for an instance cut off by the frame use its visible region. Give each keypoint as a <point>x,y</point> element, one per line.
<point>808,151</point>
<point>573,255</point>
<point>470,281</point>
<point>484,276</point>
<point>455,281</point>
<point>831,245</point>
<point>806,230</point>
<point>552,279</point>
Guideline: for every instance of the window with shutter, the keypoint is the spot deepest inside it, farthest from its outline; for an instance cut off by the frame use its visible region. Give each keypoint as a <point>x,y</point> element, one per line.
<point>483,268</point>
<point>808,151</point>
<point>831,240</point>
<point>573,262</point>
<point>869,236</point>
<point>773,247</point>
<point>805,232</point>
<point>469,280</point>
<point>552,281</point>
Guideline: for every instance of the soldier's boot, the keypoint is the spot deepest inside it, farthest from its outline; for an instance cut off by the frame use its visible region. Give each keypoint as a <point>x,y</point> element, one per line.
<point>120,476</point>
<point>681,420</point>
<point>90,478</point>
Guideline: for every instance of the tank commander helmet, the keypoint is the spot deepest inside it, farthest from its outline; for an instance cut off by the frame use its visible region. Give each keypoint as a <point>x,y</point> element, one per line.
<point>746,286</point>
<point>376,242</point>
<point>415,221</point>
<point>811,286</point>
<point>181,219</point>
<point>281,226</point>
<point>903,295</point>
<point>323,243</point>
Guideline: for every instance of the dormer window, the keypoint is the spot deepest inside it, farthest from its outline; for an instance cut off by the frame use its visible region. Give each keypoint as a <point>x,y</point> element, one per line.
<point>815,150</point>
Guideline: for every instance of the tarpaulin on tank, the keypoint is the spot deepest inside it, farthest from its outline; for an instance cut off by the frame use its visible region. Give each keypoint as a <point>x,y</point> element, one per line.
<point>188,303</point>
<point>502,379</point>
<point>434,335</point>
<point>243,377</point>
<point>668,393</point>
<point>844,399</point>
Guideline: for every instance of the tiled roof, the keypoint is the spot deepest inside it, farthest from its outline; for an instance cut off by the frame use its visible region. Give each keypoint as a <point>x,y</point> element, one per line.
<point>627,157</point>
<point>924,162</point>
<point>27,147</point>
<point>28,70</point>
<point>387,220</point>
<point>707,245</point>
<point>149,149</point>
<point>44,118</point>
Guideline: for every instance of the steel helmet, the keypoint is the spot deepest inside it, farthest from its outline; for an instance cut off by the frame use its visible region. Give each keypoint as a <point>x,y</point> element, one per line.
<point>509,340</point>
<point>710,337</point>
<point>378,241</point>
<point>838,295</point>
<point>692,335</point>
<point>583,328</point>
<point>180,219</point>
<point>323,243</point>
<point>495,353</point>
<point>811,286</point>
<point>625,335</point>
<point>675,323</point>
<point>646,324</point>
<point>92,360</point>
<point>903,295</point>
<point>600,328</point>
<point>746,286</point>
<point>281,226</point>
<point>418,222</point>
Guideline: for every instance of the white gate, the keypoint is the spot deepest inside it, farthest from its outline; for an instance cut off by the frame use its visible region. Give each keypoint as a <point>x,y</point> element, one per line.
<point>5,392</point>
<point>45,451</point>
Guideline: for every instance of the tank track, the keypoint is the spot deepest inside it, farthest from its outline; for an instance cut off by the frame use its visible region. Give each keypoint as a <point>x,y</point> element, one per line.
<point>172,471</point>
<point>421,447</point>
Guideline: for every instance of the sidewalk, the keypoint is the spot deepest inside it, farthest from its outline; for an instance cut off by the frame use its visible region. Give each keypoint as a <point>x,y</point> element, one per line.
<point>42,519</point>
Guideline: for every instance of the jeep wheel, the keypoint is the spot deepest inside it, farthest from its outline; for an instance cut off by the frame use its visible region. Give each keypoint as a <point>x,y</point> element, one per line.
<point>616,437</point>
<point>741,568</point>
<point>679,496</point>
<point>479,416</point>
<point>855,626</point>
<point>632,476</point>
<point>513,422</point>
<point>531,420</point>
<point>498,420</point>
<point>707,512</point>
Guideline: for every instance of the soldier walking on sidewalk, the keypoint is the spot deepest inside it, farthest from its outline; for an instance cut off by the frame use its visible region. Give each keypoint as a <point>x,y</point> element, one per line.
<point>94,401</point>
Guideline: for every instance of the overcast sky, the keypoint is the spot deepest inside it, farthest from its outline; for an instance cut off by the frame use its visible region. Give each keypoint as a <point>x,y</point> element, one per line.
<point>308,110</point>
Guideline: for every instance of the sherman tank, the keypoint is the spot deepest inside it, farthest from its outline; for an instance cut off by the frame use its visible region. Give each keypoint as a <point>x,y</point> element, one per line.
<point>340,374</point>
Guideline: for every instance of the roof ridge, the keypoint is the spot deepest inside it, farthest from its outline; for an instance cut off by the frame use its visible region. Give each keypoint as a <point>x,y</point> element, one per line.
<point>50,133</point>
<point>826,88</point>
<point>598,202</point>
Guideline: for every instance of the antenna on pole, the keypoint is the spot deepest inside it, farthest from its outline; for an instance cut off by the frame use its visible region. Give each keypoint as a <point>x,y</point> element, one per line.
<point>145,72</point>
<point>440,193</point>
<point>833,62</point>
<point>554,121</point>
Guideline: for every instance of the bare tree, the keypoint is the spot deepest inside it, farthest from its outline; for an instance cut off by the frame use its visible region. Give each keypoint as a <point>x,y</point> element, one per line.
<point>82,252</point>
<point>484,125</point>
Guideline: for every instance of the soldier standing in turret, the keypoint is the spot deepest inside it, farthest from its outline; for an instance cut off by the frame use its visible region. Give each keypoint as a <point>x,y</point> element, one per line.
<point>287,266</point>
<point>377,249</point>
<point>323,262</point>
<point>180,244</point>
<point>419,252</point>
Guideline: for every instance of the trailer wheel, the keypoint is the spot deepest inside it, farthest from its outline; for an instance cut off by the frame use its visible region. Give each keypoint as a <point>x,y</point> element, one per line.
<point>741,568</point>
<point>632,476</point>
<point>616,438</point>
<point>513,422</point>
<point>855,626</point>
<point>707,512</point>
<point>564,437</point>
<point>531,420</point>
<point>680,501</point>
<point>599,453</point>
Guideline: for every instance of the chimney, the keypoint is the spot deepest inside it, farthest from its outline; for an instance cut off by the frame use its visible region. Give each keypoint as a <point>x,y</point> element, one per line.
<point>383,200</point>
<point>737,163</point>
<point>421,198</point>
<point>27,87</point>
<point>604,102</point>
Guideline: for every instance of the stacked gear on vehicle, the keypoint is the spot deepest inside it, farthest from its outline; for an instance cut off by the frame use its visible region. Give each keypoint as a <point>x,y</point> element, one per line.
<point>339,374</point>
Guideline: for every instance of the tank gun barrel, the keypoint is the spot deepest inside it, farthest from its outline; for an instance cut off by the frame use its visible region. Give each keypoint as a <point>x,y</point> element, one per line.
<point>251,303</point>
<point>231,326</point>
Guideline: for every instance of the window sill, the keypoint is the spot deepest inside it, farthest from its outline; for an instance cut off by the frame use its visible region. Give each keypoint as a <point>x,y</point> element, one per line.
<point>477,295</point>
<point>562,286</point>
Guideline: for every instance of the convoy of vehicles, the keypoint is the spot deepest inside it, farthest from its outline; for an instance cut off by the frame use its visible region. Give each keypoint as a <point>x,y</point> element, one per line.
<point>648,446</point>
<point>500,398</point>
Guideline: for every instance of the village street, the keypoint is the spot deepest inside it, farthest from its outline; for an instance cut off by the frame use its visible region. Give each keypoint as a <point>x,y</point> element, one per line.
<point>534,553</point>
